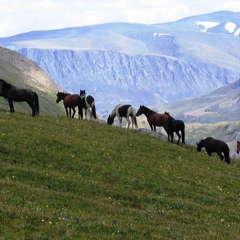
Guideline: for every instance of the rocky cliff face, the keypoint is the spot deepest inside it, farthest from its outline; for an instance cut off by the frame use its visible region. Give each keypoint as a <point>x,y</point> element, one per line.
<point>114,77</point>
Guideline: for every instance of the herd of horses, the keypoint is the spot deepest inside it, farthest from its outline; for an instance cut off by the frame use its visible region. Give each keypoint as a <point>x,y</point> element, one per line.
<point>87,102</point>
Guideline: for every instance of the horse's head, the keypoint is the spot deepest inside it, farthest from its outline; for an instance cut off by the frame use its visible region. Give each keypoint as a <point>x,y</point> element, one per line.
<point>4,86</point>
<point>110,120</point>
<point>140,110</point>
<point>82,93</point>
<point>199,146</point>
<point>60,96</point>
<point>238,146</point>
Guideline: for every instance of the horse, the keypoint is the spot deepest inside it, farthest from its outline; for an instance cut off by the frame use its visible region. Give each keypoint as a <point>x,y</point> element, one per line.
<point>88,104</point>
<point>12,93</point>
<point>238,147</point>
<point>213,145</point>
<point>125,111</point>
<point>156,119</point>
<point>70,101</point>
<point>178,126</point>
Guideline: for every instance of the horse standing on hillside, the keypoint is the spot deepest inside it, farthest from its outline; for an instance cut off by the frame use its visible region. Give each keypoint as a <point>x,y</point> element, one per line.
<point>213,145</point>
<point>12,93</point>
<point>178,126</point>
<point>238,147</point>
<point>88,104</point>
<point>125,111</point>
<point>70,101</point>
<point>155,119</point>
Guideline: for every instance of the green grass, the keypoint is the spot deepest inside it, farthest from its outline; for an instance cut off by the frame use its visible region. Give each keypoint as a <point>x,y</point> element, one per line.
<point>64,178</point>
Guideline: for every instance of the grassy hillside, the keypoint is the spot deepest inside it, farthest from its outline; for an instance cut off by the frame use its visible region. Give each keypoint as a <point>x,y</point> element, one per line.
<point>23,73</point>
<point>65,178</point>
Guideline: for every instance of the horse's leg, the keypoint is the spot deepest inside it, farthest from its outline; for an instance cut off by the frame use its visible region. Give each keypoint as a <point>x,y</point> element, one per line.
<point>11,108</point>
<point>135,122</point>
<point>90,113</point>
<point>153,127</point>
<point>183,134</point>
<point>73,112</point>
<point>179,136</point>
<point>32,107</point>
<point>132,121</point>
<point>209,152</point>
<point>120,121</point>
<point>129,122</point>
<point>66,111</point>
<point>220,155</point>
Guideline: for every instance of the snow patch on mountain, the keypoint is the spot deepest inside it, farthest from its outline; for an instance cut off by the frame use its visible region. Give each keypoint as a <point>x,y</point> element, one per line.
<point>230,27</point>
<point>207,25</point>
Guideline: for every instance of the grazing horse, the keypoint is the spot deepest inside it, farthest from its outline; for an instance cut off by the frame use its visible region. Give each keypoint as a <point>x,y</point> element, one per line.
<point>213,145</point>
<point>238,146</point>
<point>88,104</point>
<point>156,119</point>
<point>178,126</point>
<point>70,101</point>
<point>12,93</point>
<point>125,111</point>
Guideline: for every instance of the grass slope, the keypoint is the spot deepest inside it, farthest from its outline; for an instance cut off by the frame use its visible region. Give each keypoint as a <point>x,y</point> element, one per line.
<point>65,178</point>
<point>23,73</point>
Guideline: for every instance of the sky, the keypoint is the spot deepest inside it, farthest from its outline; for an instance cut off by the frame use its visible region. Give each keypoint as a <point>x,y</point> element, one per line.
<point>20,16</point>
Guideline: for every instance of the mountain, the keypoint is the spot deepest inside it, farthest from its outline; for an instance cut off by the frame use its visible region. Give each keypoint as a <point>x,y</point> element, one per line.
<point>137,63</point>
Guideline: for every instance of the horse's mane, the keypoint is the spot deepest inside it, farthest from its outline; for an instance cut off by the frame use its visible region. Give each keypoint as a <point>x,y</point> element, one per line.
<point>167,113</point>
<point>64,94</point>
<point>148,109</point>
<point>114,111</point>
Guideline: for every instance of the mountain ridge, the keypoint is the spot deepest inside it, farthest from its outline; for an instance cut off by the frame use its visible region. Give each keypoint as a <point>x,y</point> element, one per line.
<point>137,63</point>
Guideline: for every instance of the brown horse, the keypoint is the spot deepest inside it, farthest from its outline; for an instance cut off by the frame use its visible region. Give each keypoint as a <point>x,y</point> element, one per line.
<point>70,101</point>
<point>156,119</point>
<point>238,146</point>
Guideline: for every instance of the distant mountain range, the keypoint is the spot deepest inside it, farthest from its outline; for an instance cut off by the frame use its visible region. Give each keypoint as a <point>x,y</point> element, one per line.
<point>137,63</point>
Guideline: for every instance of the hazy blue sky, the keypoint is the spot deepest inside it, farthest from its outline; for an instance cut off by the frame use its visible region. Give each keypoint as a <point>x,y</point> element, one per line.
<point>20,16</point>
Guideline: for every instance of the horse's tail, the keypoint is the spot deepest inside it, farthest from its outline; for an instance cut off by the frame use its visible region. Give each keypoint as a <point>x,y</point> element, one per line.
<point>226,155</point>
<point>135,121</point>
<point>94,110</point>
<point>170,128</point>
<point>36,103</point>
<point>134,117</point>
<point>183,134</point>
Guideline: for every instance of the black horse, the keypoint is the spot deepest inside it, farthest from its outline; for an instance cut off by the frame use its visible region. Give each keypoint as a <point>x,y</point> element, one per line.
<point>178,126</point>
<point>213,145</point>
<point>12,93</point>
<point>88,104</point>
